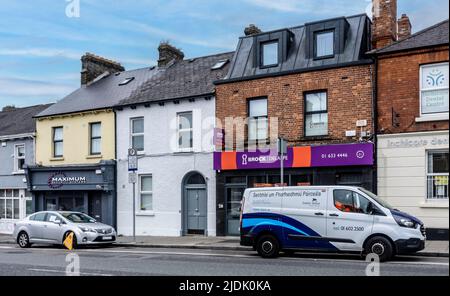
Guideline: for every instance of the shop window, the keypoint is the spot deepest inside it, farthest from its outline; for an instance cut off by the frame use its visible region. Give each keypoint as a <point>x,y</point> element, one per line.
<point>434,89</point>
<point>324,44</point>
<point>437,175</point>
<point>301,180</point>
<point>137,133</point>
<point>58,142</point>
<point>269,54</point>
<point>146,193</point>
<point>236,180</point>
<point>258,120</point>
<point>9,204</point>
<point>185,131</point>
<point>257,181</point>
<point>316,114</point>
<point>19,158</point>
<point>350,201</point>
<point>95,138</point>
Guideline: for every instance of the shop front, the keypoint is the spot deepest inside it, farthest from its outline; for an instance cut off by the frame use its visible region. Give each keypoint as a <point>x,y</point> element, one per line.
<point>347,164</point>
<point>87,189</point>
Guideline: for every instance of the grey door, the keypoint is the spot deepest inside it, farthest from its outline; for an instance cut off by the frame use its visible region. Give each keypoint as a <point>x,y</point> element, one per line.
<point>234,197</point>
<point>196,210</point>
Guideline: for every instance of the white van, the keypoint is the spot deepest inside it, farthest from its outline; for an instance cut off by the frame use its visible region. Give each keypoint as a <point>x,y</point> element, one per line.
<point>327,218</point>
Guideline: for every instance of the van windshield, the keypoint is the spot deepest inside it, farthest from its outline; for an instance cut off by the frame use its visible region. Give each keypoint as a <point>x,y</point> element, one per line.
<point>377,199</point>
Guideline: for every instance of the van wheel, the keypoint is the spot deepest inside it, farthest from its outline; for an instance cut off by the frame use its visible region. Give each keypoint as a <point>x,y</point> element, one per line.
<point>380,246</point>
<point>268,246</point>
<point>23,240</point>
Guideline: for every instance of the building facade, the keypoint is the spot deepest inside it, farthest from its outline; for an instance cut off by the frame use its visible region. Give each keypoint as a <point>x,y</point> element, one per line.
<point>17,146</point>
<point>413,140</point>
<point>170,121</point>
<point>312,86</point>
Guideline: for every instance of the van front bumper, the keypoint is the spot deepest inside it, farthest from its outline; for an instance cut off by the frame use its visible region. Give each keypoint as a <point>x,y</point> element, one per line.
<point>408,246</point>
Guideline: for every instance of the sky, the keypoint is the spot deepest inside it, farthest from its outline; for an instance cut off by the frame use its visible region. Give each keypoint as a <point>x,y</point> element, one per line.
<point>41,46</point>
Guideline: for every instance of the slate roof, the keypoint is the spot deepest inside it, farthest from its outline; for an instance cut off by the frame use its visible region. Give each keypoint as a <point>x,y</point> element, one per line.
<point>298,58</point>
<point>20,120</point>
<point>102,94</point>
<point>181,79</point>
<point>432,36</point>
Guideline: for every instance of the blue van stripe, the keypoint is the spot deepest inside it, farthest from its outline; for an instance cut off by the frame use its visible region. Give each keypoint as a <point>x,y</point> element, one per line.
<point>254,222</point>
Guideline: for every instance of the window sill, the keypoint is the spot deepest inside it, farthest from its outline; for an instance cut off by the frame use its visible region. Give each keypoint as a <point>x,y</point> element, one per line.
<point>18,173</point>
<point>57,159</point>
<point>435,204</point>
<point>145,214</point>
<point>427,118</point>
<point>190,151</point>
<point>94,156</point>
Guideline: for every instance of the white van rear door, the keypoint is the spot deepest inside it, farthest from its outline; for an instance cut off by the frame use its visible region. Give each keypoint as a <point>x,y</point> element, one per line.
<point>348,221</point>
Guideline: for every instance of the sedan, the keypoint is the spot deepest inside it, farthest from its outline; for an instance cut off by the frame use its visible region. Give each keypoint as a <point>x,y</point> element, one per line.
<point>53,227</point>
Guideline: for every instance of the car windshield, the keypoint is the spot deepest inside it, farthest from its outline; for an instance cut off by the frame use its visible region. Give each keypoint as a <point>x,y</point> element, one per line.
<point>377,199</point>
<point>78,218</point>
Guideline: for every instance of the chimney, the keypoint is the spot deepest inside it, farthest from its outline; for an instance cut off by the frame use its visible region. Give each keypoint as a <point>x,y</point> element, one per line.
<point>168,53</point>
<point>92,66</point>
<point>404,27</point>
<point>384,28</point>
<point>9,108</point>
<point>252,30</point>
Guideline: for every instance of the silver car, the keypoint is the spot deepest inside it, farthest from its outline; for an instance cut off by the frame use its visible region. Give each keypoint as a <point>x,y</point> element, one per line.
<point>53,227</point>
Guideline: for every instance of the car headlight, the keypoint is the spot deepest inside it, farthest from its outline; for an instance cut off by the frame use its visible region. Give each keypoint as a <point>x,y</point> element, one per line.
<point>405,222</point>
<point>86,229</point>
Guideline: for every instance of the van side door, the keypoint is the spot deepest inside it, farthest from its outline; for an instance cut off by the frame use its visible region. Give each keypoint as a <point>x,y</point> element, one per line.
<point>349,221</point>
<point>304,218</point>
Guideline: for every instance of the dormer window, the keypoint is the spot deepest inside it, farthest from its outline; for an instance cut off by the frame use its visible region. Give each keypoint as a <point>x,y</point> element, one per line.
<point>269,54</point>
<point>324,44</point>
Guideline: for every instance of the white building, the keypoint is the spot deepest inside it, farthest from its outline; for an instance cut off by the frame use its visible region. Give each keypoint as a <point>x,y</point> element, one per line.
<point>170,121</point>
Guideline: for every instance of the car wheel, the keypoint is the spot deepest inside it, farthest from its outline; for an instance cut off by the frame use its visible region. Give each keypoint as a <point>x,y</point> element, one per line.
<point>23,240</point>
<point>268,246</point>
<point>380,246</point>
<point>74,242</point>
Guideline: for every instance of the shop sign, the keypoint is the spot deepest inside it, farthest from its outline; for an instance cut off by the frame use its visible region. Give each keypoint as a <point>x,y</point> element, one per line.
<point>59,179</point>
<point>297,157</point>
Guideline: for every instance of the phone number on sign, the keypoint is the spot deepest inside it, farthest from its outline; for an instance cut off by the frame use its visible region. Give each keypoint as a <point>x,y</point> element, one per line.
<point>334,155</point>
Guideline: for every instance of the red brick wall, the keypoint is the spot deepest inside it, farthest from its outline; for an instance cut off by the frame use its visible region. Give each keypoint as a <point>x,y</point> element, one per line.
<point>398,88</point>
<point>349,99</point>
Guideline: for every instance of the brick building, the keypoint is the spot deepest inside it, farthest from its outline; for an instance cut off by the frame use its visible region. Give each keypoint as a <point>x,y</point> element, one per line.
<point>412,127</point>
<point>311,85</point>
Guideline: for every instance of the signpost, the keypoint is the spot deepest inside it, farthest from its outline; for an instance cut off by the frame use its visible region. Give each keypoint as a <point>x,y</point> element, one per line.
<point>132,179</point>
<point>282,151</point>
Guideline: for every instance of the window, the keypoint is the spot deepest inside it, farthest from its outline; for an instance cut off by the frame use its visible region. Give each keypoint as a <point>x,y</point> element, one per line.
<point>185,131</point>
<point>351,202</point>
<point>146,193</point>
<point>269,54</point>
<point>258,120</point>
<point>19,158</point>
<point>437,175</point>
<point>316,114</point>
<point>126,81</point>
<point>324,44</point>
<point>95,138</point>
<point>9,204</point>
<point>58,142</point>
<point>434,89</point>
<point>137,133</point>
<point>38,217</point>
<point>219,64</point>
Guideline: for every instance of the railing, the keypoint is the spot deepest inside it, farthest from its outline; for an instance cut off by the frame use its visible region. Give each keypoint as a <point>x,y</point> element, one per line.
<point>437,187</point>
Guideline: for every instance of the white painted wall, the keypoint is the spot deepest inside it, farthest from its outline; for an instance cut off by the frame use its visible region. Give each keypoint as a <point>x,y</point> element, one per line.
<point>167,167</point>
<point>402,171</point>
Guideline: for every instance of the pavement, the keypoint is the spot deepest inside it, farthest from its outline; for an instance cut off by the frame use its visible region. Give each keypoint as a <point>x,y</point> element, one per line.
<point>432,248</point>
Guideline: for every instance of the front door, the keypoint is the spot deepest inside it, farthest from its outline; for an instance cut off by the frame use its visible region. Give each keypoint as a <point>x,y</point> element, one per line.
<point>196,211</point>
<point>234,197</point>
<point>95,206</point>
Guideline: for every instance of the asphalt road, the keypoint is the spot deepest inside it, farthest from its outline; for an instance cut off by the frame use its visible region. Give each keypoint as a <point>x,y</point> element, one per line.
<point>114,261</point>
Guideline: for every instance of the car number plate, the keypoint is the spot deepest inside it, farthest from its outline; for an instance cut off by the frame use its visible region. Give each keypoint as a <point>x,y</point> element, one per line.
<point>107,238</point>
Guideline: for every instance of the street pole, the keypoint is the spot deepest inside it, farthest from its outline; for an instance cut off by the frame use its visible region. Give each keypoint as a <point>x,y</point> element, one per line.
<point>132,169</point>
<point>134,212</point>
<point>281,153</point>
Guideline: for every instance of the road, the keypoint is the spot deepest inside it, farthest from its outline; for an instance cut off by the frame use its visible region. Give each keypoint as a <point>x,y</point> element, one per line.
<point>117,261</point>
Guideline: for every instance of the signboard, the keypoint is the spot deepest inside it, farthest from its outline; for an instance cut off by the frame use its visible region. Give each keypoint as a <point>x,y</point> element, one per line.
<point>132,178</point>
<point>132,160</point>
<point>297,157</point>
<point>434,88</point>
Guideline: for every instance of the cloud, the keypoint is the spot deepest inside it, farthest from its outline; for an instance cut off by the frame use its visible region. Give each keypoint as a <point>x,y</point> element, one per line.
<point>18,87</point>
<point>41,52</point>
<point>280,5</point>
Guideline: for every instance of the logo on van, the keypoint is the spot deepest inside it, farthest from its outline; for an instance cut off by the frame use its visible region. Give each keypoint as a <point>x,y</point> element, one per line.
<point>59,179</point>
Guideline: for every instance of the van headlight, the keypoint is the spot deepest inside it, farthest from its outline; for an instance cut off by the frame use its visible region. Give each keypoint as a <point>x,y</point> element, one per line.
<point>405,222</point>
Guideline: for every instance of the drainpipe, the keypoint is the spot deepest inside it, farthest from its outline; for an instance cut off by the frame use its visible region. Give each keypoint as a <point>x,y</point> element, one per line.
<point>375,123</point>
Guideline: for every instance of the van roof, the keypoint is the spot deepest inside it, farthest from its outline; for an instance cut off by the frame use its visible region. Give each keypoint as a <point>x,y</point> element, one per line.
<point>303,187</point>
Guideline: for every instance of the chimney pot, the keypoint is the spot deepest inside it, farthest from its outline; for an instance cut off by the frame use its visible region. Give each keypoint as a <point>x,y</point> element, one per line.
<point>252,30</point>
<point>168,53</point>
<point>404,27</point>
<point>92,66</point>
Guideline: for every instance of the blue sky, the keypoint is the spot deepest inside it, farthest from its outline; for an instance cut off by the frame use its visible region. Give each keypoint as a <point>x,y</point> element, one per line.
<point>40,47</point>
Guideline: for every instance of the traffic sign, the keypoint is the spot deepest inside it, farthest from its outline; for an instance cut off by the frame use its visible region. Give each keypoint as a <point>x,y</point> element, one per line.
<point>132,160</point>
<point>132,178</point>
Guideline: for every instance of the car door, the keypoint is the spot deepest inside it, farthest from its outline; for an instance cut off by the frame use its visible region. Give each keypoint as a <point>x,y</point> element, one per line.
<point>36,226</point>
<point>52,231</point>
<point>304,215</point>
<point>349,221</point>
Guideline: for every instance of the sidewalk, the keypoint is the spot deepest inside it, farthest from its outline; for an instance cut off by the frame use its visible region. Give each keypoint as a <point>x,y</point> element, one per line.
<point>432,248</point>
